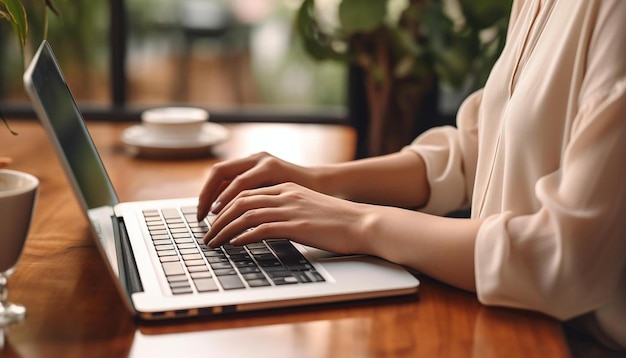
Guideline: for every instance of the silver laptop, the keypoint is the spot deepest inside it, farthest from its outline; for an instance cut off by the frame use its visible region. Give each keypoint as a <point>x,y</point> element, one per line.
<point>154,249</point>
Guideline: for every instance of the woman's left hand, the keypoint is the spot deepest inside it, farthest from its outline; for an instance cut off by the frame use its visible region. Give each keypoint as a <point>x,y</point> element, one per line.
<point>290,211</point>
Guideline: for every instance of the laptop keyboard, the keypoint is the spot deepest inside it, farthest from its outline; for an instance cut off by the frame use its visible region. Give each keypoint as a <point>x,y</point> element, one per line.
<point>190,266</point>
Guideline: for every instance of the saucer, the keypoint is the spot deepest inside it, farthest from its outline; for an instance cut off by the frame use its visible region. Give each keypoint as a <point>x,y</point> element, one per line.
<point>139,142</point>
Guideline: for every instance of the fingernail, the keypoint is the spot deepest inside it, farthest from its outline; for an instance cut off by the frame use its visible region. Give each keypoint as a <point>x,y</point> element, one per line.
<point>215,206</point>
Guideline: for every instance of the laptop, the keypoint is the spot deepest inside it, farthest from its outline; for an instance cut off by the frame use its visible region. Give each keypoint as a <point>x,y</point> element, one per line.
<point>154,249</point>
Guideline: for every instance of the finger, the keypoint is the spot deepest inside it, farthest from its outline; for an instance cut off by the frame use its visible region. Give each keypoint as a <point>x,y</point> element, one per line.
<point>249,221</point>
<point>239,196</point>
<point>219,177</point>
<point>265,231</point>
<point>255,178</point>
<point>240,208</point>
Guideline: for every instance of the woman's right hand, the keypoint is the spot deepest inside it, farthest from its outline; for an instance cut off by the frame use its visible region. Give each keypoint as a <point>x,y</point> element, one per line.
<point>227,179</point>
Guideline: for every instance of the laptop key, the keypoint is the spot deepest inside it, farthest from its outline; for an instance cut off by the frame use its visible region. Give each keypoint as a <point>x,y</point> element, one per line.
<point>221,265</point>
<point>244,270</point>
<point>194,256</point>
<point>189,245</point>
<point>166,253</point>
<point>188,251</point>
<point>163,241</point>
<point>181,290</point>
<point>242,264</point>
<point>270,263</point>
<point>215,259</point>
<point>205,284</point>
<point>302,277</point>
<point>177,278</point>
<point>234,250</point>
<point>212,253</point>
<point>164,247</point>
<point>266,256</point>
<point>257,245</point>
<point>202,268</point>
<point>177,226</point>
<point>169,213</point>
<point>173,268</point>
<point>174,284</point>
<point>169,259</point>
<point>231,282</point>
<point>194,262</point>
<point>285,280</point>
<point>279,273</point>
<point>154,225</point>
<point>225,272</point>
<point>253,276</point>
<point>240,257</point>
<point>179,231</point>
<point>188,210</point>
<point>200,274</point>
<point>258,282</point>
<point>314,276</point>
<point>289,255</point>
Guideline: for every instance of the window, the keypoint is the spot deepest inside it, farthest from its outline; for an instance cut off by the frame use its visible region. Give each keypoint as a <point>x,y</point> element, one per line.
<point>233,57</point>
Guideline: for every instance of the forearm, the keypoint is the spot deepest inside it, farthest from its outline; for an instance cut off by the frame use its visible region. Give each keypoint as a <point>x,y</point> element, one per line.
<point>439,247</point>
<point>397,179</point>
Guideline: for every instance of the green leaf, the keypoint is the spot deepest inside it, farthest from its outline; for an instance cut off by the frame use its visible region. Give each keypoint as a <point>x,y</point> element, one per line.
<point>17,18</point>
<point>316,43</point>
<point>361,15</point>
<point>5,15</point>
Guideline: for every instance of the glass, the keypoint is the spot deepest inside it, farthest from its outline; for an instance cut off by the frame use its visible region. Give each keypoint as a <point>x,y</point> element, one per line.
<point>18,193</point>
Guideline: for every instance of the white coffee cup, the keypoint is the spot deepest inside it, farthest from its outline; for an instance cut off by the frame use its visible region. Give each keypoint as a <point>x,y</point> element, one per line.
<point>174,123</point>
<point>18,193</point>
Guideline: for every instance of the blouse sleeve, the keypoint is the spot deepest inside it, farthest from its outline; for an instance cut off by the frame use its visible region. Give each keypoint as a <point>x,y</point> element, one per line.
<point>569,257</point>
<point>450,156</point>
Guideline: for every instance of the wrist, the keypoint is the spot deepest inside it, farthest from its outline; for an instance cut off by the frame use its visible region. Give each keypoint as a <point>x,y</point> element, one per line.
<point>325,180</point>
<point>365,229</point>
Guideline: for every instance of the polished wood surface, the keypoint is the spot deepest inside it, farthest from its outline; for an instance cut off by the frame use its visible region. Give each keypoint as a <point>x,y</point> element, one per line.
<point>75,311</point>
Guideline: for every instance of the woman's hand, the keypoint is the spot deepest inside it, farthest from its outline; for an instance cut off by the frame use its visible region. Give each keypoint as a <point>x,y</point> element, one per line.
<point>227,179</point>
<point>294,212</point>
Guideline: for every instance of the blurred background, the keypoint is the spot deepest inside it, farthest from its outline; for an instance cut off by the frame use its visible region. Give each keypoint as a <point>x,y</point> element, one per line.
<point>389,68</point>
<point>219,54</point>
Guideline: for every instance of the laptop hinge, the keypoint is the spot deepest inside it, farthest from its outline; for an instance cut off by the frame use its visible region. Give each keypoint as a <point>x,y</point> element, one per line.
<point>130,277</point>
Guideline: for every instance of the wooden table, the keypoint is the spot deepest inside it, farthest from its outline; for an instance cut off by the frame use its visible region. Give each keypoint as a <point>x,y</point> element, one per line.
<point>74,309</point>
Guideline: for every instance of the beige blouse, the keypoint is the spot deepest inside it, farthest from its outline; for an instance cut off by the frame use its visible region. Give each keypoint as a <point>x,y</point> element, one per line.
<point>539,153</point>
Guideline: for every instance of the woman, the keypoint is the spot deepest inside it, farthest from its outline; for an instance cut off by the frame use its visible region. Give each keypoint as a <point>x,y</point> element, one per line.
<point>537,155</point>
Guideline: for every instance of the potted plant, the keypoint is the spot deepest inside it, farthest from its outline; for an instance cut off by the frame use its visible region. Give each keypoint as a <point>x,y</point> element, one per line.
<point>15,13</point>
<point>405,49</point>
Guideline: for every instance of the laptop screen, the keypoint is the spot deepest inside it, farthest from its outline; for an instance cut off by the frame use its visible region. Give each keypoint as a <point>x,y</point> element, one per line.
<point>57,105</point>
